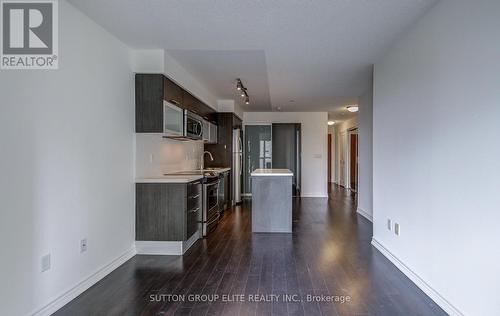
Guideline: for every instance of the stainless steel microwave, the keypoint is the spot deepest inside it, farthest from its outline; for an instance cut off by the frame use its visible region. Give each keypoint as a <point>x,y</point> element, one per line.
<point>193,125</point>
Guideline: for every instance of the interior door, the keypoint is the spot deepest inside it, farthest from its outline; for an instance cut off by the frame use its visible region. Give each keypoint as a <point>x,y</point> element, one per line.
<point>353,162</point>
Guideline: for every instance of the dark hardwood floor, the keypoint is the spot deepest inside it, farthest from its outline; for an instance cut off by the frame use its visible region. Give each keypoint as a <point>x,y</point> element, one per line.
<point>328,255</point>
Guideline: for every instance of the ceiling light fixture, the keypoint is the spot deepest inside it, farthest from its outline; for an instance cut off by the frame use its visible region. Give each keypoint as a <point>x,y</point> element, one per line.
<point>352,108</point>
<point>331,123</point>
<point>243,91</point>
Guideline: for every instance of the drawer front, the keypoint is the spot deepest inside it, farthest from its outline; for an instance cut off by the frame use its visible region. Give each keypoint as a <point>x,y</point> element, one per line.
<point>194,207</point>
<point>192,221</point>
<point>194,188</point>
<point>194,195</point>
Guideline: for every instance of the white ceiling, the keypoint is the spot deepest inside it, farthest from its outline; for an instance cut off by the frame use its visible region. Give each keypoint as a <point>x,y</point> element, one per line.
<point>317,53</point>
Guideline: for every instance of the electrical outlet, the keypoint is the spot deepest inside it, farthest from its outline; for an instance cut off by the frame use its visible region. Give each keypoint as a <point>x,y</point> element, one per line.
<point>45,262</point>
<point>389,224</point>
<point>83,245</point>
<point>396,229</point>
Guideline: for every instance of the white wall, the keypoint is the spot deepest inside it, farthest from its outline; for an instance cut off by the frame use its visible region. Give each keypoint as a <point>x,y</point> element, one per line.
<point>159,61</point>
<point>314,145</point>
<point>156,155</point>
<point>148,61</point>
<point>229,105</point>
<point>66,165</point>
<point>181,76</point>
<point>365,154</point>
<point>436,154</point>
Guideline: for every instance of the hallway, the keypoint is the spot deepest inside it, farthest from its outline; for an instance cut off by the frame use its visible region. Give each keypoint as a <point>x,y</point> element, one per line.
<point>329,255</point>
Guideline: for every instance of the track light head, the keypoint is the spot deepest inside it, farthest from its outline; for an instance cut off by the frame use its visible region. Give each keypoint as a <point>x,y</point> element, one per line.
<point>242,90</point>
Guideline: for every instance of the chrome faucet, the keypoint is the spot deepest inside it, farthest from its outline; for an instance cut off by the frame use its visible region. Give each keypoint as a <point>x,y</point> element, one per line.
<point>202,162</point>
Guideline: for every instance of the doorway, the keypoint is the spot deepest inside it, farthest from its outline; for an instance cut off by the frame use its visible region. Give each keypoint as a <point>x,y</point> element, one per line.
<point>353,159</point>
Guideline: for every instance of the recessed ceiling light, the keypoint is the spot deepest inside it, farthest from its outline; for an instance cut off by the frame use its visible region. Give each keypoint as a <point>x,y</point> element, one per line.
<point>331,123</point>
<point>352,108</point>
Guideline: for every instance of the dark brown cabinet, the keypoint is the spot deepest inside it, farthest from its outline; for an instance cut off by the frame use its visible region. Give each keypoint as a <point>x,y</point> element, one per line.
<point>149,103</point>
<point>150,92</point>
<point>193,104</point>
<point>167,211</point>
<point>172,92</point>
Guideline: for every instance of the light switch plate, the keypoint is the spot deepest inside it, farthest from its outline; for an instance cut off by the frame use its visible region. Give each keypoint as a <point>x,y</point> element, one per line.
<point>45,263</point>
<point>83,245</point>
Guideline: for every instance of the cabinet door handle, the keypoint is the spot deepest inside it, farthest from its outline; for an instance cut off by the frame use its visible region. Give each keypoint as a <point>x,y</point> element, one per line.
<point>194,196</point>
<point>174,101</point>
<point>195,210</point>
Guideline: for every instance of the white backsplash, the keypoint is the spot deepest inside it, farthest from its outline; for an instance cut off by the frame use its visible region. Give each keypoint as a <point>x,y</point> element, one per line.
<point>155,155</point>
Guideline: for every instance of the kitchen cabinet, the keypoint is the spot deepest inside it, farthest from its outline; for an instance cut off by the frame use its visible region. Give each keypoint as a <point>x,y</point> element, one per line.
<point>149,103</point>
<point>212,128</point>
<point>209,132</point>
<point>168,211</point>
<point>172,92</point>
<point>193,104</point>
<point>151,90</point>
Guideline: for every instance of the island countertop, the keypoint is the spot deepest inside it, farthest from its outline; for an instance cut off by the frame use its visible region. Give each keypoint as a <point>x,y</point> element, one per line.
<point>272,172</point>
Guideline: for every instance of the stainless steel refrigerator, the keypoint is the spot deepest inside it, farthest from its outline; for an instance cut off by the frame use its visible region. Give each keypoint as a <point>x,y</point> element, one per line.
<point>237,165</point>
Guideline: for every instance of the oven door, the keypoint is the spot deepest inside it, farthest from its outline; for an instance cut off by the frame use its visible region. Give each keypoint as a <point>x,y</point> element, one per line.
<point>193,127</point>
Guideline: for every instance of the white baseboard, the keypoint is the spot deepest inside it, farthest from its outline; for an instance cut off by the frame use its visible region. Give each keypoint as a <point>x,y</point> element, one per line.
<point>415,278</point>
<point>365,215</point>
<point>166,248</point>
<point>314,195</point>
<point>83,285</point>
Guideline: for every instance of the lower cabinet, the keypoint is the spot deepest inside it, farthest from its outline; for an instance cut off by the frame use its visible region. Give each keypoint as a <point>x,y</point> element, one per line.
<point>167,211</point>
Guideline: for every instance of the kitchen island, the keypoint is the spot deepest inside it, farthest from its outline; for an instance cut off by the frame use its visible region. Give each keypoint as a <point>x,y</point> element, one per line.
<point>272,201</point>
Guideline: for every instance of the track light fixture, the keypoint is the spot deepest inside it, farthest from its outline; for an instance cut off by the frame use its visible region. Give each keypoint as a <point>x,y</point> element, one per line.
<point>243,91</point>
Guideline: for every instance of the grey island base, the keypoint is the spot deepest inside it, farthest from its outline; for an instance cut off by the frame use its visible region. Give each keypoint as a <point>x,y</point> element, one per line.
<point>272,201</point>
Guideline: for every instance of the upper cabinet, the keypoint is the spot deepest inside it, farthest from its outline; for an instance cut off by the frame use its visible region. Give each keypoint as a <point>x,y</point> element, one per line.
<point>172,92</point>
<point>154,115</point>
<point>209,132</point>
<point>149,90</point>
<point>193,104</point>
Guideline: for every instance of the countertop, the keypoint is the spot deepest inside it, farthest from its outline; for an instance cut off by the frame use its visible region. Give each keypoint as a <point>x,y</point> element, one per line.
<point>180,177</point>
<point>272,172</point>
<point>170,179</point>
